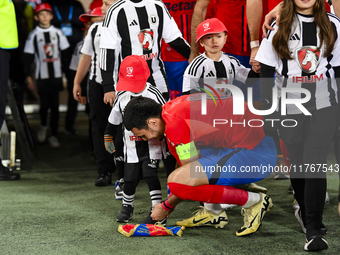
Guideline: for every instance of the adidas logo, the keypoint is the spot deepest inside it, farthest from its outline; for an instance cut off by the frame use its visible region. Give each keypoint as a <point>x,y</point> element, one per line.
<point>295,37</point>
<point>210,74</point>
<point>133,23</point>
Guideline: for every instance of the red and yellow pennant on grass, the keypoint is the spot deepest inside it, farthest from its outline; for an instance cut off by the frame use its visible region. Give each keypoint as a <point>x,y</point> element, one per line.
<point>149,230</point>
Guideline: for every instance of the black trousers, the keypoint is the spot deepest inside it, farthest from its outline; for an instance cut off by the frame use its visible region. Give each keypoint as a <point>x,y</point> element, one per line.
<point>48,90</point>
<point>119,153</point>
<point>337,151</point>
<point>72,105</point>
<point>99,113</point>
<point>4,75</point>
<point>308,157</point>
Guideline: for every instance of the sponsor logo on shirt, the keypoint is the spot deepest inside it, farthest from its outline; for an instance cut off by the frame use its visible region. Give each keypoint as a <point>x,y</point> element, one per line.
<point>135,138</point>
<point>181,6</point>
<point>295,37</point>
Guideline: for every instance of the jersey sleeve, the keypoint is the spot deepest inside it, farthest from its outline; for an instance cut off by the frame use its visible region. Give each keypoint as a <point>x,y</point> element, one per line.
<point>192,74</point>
<point>63,43</point>
<point>336,50</point>
<point>241,72</point>
<point>75,59</point>
<point>109,45</point>
<point>267,54</point>
<point>109,38</point>
<point>87,46</point>
<point>158,94</point>
<point>172,131</point>
<point>170,28</point>
<point>116,117</point>
<point>29,45</point>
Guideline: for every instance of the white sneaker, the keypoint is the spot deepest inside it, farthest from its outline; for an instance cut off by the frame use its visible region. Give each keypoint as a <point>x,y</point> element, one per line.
<point>42,133</point>
<point>54,142</point>
<point>299,218</point>
<point>327,200</point>
<point>296,205</point>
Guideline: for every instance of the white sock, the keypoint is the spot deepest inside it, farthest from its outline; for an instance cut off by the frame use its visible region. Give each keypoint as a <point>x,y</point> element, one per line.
<point>128,199</point>
<point>228,206</point>
<point>156,197</point>
<point>216,208</point>
<point>253,198</point>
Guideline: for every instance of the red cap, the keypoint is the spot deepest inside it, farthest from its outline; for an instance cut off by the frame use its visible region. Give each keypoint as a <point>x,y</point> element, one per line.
<point>86,17</point>
<point>43,7</point>
<point>96,3</point>
<point>210,26</point>
<point>133,74</point>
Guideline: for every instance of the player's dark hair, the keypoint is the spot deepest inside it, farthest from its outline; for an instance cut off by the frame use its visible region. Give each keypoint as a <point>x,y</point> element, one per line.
<point>284,33</point>
<point>139,110</point>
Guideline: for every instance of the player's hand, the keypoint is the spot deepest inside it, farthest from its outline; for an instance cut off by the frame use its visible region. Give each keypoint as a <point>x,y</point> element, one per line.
<point>273,14</point>
<point>109,97</point>
<point>109,145</point>
<point>158,213</point>
<point>76,92</point>
<point>30,83</point>
<point>83,100</point>
<point>256,66</point>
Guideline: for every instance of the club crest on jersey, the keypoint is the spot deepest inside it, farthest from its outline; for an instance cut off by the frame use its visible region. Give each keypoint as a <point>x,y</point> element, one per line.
<point>153,19</point>
<point>308,58</point>
<point>223,90</point>
<point>49,50</point>
<point>230,71</point>
<point>145,38</point>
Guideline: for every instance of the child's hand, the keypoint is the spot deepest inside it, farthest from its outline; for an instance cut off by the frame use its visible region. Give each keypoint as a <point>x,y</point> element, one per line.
<point>30,84</point>
<point>109,97</point>
<point>256,66</point>
<point>77,92</point>
<point>273,14</point>
<point>83,100</point>
<point>109,145</point>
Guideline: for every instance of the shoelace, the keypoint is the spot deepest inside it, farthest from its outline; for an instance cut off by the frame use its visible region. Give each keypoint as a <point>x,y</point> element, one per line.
<point>247,214</point>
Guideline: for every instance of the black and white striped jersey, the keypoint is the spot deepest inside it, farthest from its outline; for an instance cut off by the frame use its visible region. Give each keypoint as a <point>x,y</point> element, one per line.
<point>91,48</point>
<point>134,146</point>
<point>46,45</point>
<point>76,56</point>
<point>308,69</point>
<point>203,70</point>
<point>137,27</point>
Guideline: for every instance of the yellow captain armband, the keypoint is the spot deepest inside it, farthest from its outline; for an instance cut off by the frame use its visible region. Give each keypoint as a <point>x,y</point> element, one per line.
<point>186,151</point>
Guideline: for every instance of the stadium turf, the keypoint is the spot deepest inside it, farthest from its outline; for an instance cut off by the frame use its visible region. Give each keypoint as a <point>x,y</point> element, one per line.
<point>56,209</point>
